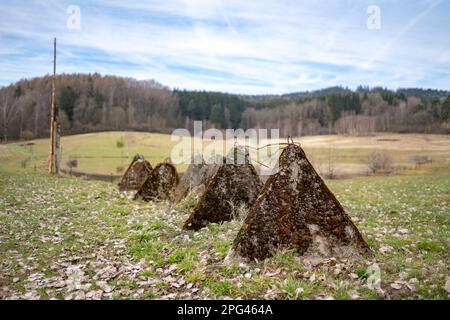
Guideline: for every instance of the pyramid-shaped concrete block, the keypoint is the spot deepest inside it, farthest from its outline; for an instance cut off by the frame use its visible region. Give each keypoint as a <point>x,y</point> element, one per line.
<point>196,177</point>
<point>235,185</point>
<point>160,184</point>
<point>296,210</point>
<point>136,174</point>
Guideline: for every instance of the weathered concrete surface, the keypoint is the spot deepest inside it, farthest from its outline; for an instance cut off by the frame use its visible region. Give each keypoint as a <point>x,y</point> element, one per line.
<point>160,184</point>
<point>296,210</point>
<point>136,174</point>
<point>232,187</point>
<point>196,178</point>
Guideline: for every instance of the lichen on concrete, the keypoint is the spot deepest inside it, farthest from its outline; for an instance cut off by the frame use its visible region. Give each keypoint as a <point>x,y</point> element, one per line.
<point>196,178</point>
<point>136,174</point>
<point>296,210</point>
<point>160,184</point>
<point>234,186</point>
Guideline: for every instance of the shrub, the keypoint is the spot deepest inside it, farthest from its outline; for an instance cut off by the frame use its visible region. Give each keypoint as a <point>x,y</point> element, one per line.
<point>24,162</point>
<point>72,163</point>
<point>26,135</point>
<point>380,162</point>
<point>120,143</point>
<point>419,160</point>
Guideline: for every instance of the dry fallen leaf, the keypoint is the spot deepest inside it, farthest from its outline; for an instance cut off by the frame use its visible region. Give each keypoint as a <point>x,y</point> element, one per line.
<point>396,286</point>
<point>353,276</point>
<point>447,286</point>
<point>298,292</point>
<point>271,274</point>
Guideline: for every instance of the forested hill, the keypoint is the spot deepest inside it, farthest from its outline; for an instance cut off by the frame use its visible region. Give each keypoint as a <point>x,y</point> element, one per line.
<point>91,102</point>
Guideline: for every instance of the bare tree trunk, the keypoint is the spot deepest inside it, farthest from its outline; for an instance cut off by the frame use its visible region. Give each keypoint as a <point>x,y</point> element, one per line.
<point>131,113</point>
<point>7,114</point>
<point>21,121</point>
<point>36,119</point>
<point>331,161</point>
<point>5,133</point>
<point>5,125</point>
<point>55,151</point>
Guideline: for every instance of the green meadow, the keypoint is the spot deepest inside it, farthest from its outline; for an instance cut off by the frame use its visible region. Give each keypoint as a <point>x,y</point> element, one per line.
<point>69,238</point>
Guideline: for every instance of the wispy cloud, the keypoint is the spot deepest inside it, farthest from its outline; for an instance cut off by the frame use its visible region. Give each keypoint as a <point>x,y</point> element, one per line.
<point>234,46</point>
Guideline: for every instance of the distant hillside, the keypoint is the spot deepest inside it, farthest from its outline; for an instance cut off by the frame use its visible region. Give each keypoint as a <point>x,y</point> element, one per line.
<point>318,93</point>
<point>425,94</point>
<point>91,102</point>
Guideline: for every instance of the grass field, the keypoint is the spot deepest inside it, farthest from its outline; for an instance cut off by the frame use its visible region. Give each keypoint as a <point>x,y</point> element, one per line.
<point>89,241</point>
<point>98,152</point>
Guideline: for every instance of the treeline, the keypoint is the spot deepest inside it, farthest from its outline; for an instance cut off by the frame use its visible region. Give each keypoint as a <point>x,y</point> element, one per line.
<point>355,113</point>
<point>87,103</point>
<point>91,102</point>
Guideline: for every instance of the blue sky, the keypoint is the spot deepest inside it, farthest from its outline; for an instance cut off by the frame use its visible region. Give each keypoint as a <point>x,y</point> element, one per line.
<point>239,46</point>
